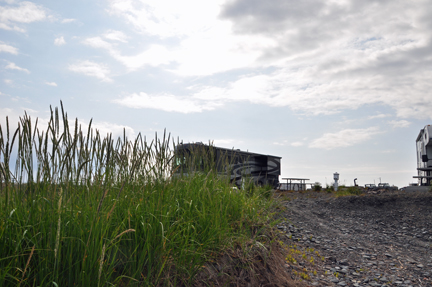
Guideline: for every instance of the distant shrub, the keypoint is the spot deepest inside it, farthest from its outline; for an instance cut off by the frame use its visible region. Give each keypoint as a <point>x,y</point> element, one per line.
<point>348,191</point>
<point>317,186</point>
<point>354,190</point>
<point>329,188</point>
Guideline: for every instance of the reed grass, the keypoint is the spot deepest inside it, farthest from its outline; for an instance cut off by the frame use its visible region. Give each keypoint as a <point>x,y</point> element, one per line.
<point>79,208</point>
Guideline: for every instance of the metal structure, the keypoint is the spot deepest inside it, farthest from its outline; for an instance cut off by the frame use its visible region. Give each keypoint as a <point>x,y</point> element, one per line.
<point>424,156</point>
<point>238,165</point>
<point>299,184</point>
<point>371,186</point>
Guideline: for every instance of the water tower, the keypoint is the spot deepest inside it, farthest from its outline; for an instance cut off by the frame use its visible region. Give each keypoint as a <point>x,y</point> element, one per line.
<point>336,178</point>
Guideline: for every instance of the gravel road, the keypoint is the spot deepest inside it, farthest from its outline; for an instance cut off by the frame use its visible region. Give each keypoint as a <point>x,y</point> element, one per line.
<point>369,240</point>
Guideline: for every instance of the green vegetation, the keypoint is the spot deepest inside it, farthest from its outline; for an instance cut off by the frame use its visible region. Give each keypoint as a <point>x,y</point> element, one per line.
<point>348,191</point>
<point>329,188</point>
<point>302,257</point>
<point>86,210</point>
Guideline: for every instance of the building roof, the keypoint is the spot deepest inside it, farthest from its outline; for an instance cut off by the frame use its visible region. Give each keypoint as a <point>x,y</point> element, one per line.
<point>187,145</point>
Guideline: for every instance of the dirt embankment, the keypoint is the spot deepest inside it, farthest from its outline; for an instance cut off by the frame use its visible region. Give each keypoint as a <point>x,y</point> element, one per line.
<point>367,240</point>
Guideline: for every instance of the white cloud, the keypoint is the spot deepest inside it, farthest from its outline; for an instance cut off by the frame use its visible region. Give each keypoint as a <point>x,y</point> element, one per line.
<point>166,18</point>
<point>13,118</point>
<point>202,43</point>
<point>116,36</point>
<point>237,33</point>
<point>24,12</point>
<point>399,123</point>
<point>8,49</point>
<point>12,66</point>
<point>379,116</point>
<point>307,90</point>
<point>285,88</point>
<point>8,81</point>
<point>255,89</point>
<point>116,130</point>
<point>286,142</point>
<point>53,84</point>
<point>165,102</point>
<point>91,69</point>
<point>98,42</point>
<point>325,57</point>
<point>344,138</point>
<point>194,56</point>
<point>153,56</point>
<point>70,20</point>
<point>59,41</point>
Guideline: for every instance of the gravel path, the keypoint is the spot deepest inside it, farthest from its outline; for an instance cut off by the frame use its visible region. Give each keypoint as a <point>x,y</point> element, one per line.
<point>371,240</point>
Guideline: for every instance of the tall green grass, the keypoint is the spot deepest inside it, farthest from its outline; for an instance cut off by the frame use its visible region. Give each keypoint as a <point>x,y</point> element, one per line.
<point>80,208</point>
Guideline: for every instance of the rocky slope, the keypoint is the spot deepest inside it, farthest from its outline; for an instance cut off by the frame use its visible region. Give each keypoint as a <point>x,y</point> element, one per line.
<point>369,240</point>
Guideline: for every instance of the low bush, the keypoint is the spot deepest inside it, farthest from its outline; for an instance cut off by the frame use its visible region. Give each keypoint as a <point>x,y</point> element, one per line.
<point>317,186</point>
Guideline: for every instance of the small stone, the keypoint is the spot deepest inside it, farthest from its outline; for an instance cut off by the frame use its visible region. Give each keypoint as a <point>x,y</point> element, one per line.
<point>331,258</point>
<point>420,265</point>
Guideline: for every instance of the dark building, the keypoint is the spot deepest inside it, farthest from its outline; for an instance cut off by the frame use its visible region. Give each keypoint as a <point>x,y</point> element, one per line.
<point>238,165</point>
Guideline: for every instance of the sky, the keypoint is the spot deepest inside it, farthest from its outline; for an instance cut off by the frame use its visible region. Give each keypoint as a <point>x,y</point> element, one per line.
<point>330,86</point>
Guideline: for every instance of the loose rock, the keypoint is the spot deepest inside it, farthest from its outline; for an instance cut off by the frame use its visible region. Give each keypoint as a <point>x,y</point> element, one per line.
<point>372,240</point>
